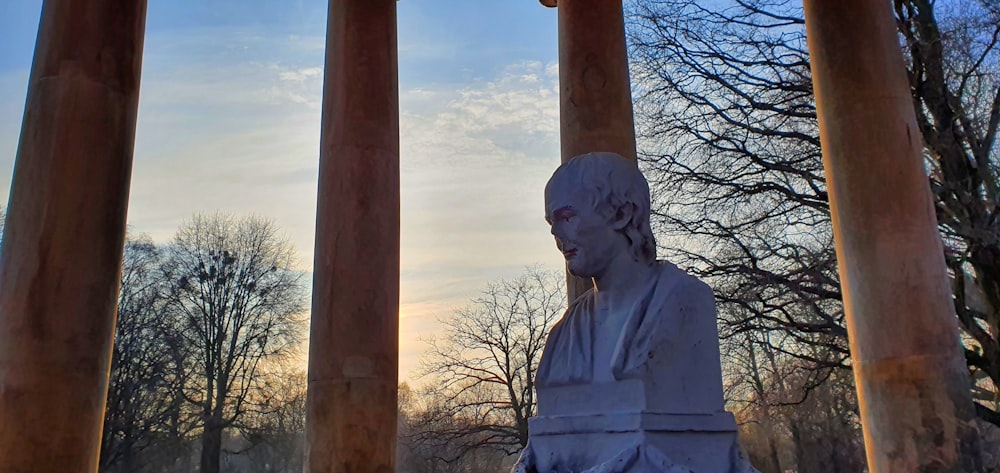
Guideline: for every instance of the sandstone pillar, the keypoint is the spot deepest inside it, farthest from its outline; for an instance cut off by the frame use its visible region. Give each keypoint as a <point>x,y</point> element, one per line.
<point>62,247</point>
<point>912,383</point>
<point>354,336</point>
<point>595,98</point>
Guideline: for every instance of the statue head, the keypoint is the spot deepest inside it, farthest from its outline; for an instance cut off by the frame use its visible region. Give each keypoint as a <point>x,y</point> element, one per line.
<point>608,187</point>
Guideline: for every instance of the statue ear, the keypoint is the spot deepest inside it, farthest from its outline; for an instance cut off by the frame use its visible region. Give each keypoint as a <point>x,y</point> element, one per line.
<point>623,215</point>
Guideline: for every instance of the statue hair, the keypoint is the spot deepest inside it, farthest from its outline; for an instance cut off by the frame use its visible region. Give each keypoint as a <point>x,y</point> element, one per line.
<point>614,182</point>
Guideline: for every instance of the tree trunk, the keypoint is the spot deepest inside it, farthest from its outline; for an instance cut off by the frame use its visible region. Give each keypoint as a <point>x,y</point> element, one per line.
<point>800,451</point>
<point>766,422</point>
<point>128,462</point>
<point>211,446</point>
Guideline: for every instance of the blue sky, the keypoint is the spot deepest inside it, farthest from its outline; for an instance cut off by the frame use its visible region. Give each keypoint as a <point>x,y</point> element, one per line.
<point>229,120</point>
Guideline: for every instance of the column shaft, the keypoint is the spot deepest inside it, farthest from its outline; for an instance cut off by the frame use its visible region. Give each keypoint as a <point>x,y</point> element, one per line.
<point>913,386</point>
<point>353,349</point>
<point>595,98</point>
<point>62,247</point>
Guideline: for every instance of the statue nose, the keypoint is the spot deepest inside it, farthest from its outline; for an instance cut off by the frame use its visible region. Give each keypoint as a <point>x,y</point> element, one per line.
<point>559,231</point>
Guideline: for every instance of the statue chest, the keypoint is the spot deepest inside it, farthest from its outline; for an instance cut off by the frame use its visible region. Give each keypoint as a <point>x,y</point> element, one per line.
<point>608,325</point>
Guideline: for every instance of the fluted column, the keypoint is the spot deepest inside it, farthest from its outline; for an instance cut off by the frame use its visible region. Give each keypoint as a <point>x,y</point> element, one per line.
<point>62,247</point>
<point>353,348</point>
<point>913,386</point>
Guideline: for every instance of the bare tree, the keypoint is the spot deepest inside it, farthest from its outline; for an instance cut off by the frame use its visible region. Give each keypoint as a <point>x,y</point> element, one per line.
<point>790,413</point>
<point>825,428</point>
<point>418,452</point>
<point>275,428</point>
<point>145,373</point>
<point>750,384</point>
<point>236,303</point>
<point>482,370</point>
<point>953,53</point>
<point>730,140</point>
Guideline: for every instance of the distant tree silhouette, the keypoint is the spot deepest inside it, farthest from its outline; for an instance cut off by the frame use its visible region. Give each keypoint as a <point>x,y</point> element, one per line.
<point>146,373</point>
<point>235,303</point>
<point>481,370</point>
<point>275,425</point>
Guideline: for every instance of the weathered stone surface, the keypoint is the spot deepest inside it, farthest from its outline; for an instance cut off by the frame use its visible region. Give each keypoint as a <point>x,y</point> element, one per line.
<point>630,379</point>
<point>913,387</point>
<point>65,229</point>
<point>354,334</point>
<point>989,435</point>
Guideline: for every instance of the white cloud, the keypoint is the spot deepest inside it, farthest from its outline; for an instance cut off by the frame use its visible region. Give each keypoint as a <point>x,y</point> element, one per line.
<point>474,160</point>
<point>239,131</point>
<point>300,75</point>
<point>474,163</point>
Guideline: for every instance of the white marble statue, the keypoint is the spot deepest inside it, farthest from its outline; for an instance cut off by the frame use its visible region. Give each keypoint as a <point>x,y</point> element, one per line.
<point>630,379</point>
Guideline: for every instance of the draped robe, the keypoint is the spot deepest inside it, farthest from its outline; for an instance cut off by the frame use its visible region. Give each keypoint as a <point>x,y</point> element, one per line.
<point>669,340</point>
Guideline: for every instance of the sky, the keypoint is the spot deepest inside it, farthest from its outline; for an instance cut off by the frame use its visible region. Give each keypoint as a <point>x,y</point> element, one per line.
<point>229,120</point>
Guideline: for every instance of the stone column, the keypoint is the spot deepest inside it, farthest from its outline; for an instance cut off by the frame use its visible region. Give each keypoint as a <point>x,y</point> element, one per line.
<point>595,98</point>
<point>62,247</point>
<point>913,387</point>
<point>354,337</point>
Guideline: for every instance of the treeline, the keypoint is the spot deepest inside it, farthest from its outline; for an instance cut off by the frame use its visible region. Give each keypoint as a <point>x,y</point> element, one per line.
<point>206,367</point>
<point>205,370</point>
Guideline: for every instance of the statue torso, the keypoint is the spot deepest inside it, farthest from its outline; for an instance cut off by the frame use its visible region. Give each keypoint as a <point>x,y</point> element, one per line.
<point>665,335</point>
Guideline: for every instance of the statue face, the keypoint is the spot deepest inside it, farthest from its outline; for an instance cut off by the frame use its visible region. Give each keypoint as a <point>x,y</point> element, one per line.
<point>587,239</point>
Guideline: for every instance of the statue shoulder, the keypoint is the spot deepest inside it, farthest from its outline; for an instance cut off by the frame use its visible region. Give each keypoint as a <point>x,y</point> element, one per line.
<point>683,286</point>
<point>567,357</point>
<point>579,308</point>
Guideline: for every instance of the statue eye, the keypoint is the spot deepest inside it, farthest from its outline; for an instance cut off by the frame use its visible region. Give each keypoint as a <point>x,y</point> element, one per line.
<point>563,215</point>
